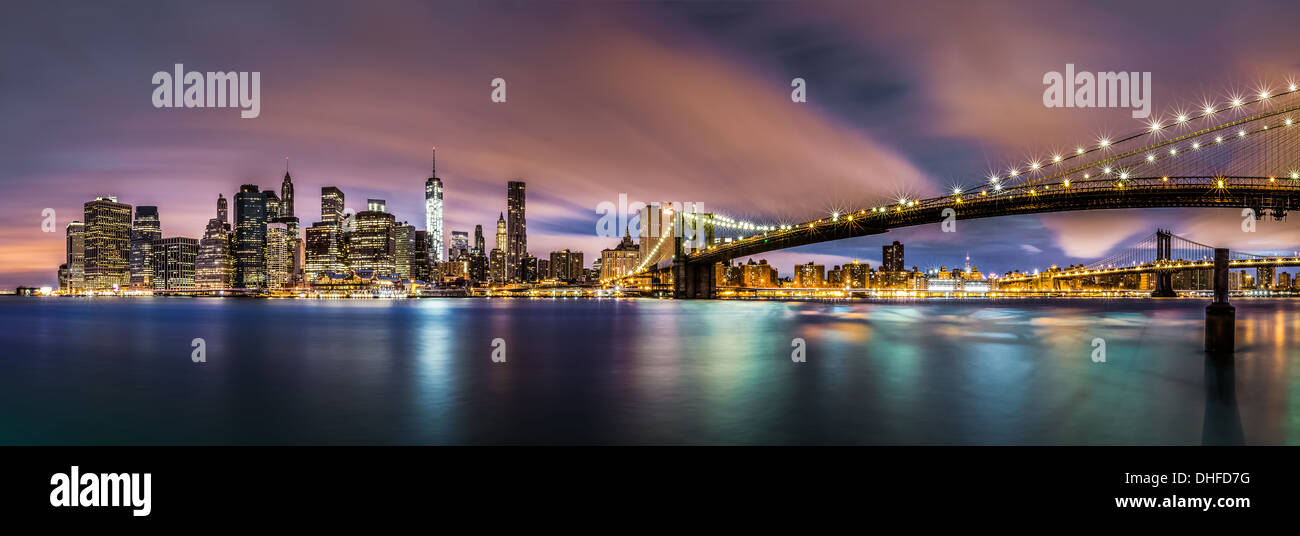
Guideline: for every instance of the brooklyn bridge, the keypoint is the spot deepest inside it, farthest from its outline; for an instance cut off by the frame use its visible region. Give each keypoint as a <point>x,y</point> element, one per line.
<point>1241,153</point>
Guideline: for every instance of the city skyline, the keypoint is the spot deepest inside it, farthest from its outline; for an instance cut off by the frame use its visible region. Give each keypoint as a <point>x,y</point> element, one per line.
<point>872,129</point>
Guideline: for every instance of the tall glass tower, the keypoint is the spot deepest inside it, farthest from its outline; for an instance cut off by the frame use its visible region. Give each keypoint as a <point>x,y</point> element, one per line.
<point>516,230</point>
<point>433,213</point>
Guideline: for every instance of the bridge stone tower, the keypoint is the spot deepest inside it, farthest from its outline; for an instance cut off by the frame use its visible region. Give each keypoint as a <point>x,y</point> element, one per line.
<point>691,280</point>
<point>1164,276</point>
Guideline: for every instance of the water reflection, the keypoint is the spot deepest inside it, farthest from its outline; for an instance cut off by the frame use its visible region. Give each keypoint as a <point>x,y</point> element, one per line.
<point>643,371</point>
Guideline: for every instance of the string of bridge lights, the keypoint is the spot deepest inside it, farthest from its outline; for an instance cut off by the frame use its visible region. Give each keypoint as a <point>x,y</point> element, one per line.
<point>995,180</point>
<point>1154,126</point>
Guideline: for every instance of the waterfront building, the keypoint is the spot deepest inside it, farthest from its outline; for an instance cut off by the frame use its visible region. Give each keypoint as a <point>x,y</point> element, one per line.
<point>144,230</point>
<point>107,244</point>
<point>173,262</point>
<point>421,267</point>
<point>497,265</point>
<point>566,266</point>
<point>214,267</point>
<point>250,238</point>
<point>404,244</point>
<point>516,232</point>
<point>76,256</point>
<point>810,275</point>
<point>279,262</point>
<point>322,249</point>
<point>621,260</point>
<point>373,245</point>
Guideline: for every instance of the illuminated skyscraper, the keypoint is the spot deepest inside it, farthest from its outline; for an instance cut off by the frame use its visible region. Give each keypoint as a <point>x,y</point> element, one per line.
<point>404,237</point>
<point>516,231</point>
<point>433,213</point>
<point>144,230</point>
<point>421,270</point>
<point>566,266</point>
<point>250,238</point>
<point>322,248</point>
<point>286,193</point>
<point>331,205</point>
<point>501,232</point>
<point>76,233</point>
<point>107,244</point>
<point>478,241</point>
<point>173,262</point>
<point>279,253</point>
<point>373,246</point>
<point>272,205</point>
<point>214,267</point>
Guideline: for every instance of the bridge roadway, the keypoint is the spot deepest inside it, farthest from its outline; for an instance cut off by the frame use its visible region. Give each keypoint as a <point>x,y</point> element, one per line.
<point>693,273</point>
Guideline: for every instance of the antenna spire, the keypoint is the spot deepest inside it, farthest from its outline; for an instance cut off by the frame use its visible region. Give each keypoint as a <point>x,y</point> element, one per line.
<point>434,161</point>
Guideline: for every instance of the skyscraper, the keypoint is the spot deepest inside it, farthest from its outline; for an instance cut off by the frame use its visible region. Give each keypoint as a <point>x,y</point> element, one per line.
<point>405,246</point>
<point>272,205</point>
<point>144,230</point>
<point>76,233</point>
<point>373,246</point>
<point>516,230</point>
<point>566,266</point>
<point>107,243</point>
<point>213,266</point>
<point>250,238</point>
<point>286,193</point>
<point>173,263</point>
<point>501,232</point>
<point>322,247</point>
<point>478,241</point>
<point>433,213</point>
<point>279,262</point>
<point>421,270</point>
<point>331,205</point>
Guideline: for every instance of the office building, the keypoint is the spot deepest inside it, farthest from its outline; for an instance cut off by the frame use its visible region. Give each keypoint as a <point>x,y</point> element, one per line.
<point>107,244</point>
<point>173,262</point>
<point>76,256</point>
<point>250,238</point>
<point>373,245</point>
<point>621,260</point>
<point>433,213</point>
<point>144,230</point>
<point>566,266</point>
<point>516,231</point>
<point>331,205</point>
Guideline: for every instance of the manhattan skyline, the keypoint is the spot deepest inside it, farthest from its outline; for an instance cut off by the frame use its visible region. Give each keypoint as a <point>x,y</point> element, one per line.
<point>706,118</point>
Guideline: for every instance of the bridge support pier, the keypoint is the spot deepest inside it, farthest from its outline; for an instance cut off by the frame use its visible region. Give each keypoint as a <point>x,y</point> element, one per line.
<point>693,280</point>
<point>1164,285</point>
<point>1220,316</point>
<point>1164,278</point>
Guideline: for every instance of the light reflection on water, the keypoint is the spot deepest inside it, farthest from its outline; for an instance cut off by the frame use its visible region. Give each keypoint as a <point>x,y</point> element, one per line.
<point>643,371</point>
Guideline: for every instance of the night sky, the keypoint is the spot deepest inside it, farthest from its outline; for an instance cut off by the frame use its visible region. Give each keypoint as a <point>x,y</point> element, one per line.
<point>678,102</point>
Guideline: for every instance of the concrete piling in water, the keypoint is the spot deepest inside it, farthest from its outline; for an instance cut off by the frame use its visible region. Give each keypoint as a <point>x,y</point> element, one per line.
<point>1220,316</point>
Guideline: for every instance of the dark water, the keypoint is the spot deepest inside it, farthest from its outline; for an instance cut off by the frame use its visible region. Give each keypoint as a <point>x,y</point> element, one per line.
<point>108,371</point>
